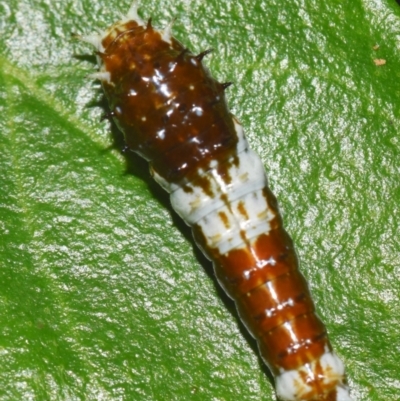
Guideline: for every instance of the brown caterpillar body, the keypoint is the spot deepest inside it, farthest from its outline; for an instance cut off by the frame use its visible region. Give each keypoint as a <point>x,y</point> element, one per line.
<point>174,114</point>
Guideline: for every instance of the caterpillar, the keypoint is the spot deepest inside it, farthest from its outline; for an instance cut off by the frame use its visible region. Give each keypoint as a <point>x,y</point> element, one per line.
<point>173,113</point>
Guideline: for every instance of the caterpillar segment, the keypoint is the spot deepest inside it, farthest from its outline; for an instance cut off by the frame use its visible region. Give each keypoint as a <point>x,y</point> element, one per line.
<point>174,114</point>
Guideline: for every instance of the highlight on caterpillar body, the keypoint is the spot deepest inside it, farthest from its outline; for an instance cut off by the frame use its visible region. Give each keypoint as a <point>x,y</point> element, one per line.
<point>174,114</point>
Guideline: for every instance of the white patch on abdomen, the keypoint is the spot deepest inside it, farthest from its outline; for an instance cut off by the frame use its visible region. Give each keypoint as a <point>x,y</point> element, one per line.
<point>291,385</point>
<point>226,211</point>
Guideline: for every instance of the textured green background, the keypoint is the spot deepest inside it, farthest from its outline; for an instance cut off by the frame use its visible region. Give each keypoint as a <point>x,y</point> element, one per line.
<point>103,295</point>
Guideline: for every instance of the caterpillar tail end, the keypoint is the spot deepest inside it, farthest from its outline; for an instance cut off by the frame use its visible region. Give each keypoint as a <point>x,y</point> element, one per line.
<point>321,380</point>
<point>343,394</point>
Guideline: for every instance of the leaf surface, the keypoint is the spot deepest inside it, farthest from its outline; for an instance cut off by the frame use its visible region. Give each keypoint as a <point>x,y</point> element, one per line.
<point>103,294</point>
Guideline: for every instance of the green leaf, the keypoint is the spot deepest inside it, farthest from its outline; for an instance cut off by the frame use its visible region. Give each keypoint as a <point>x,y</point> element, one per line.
<point>103,294</point>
